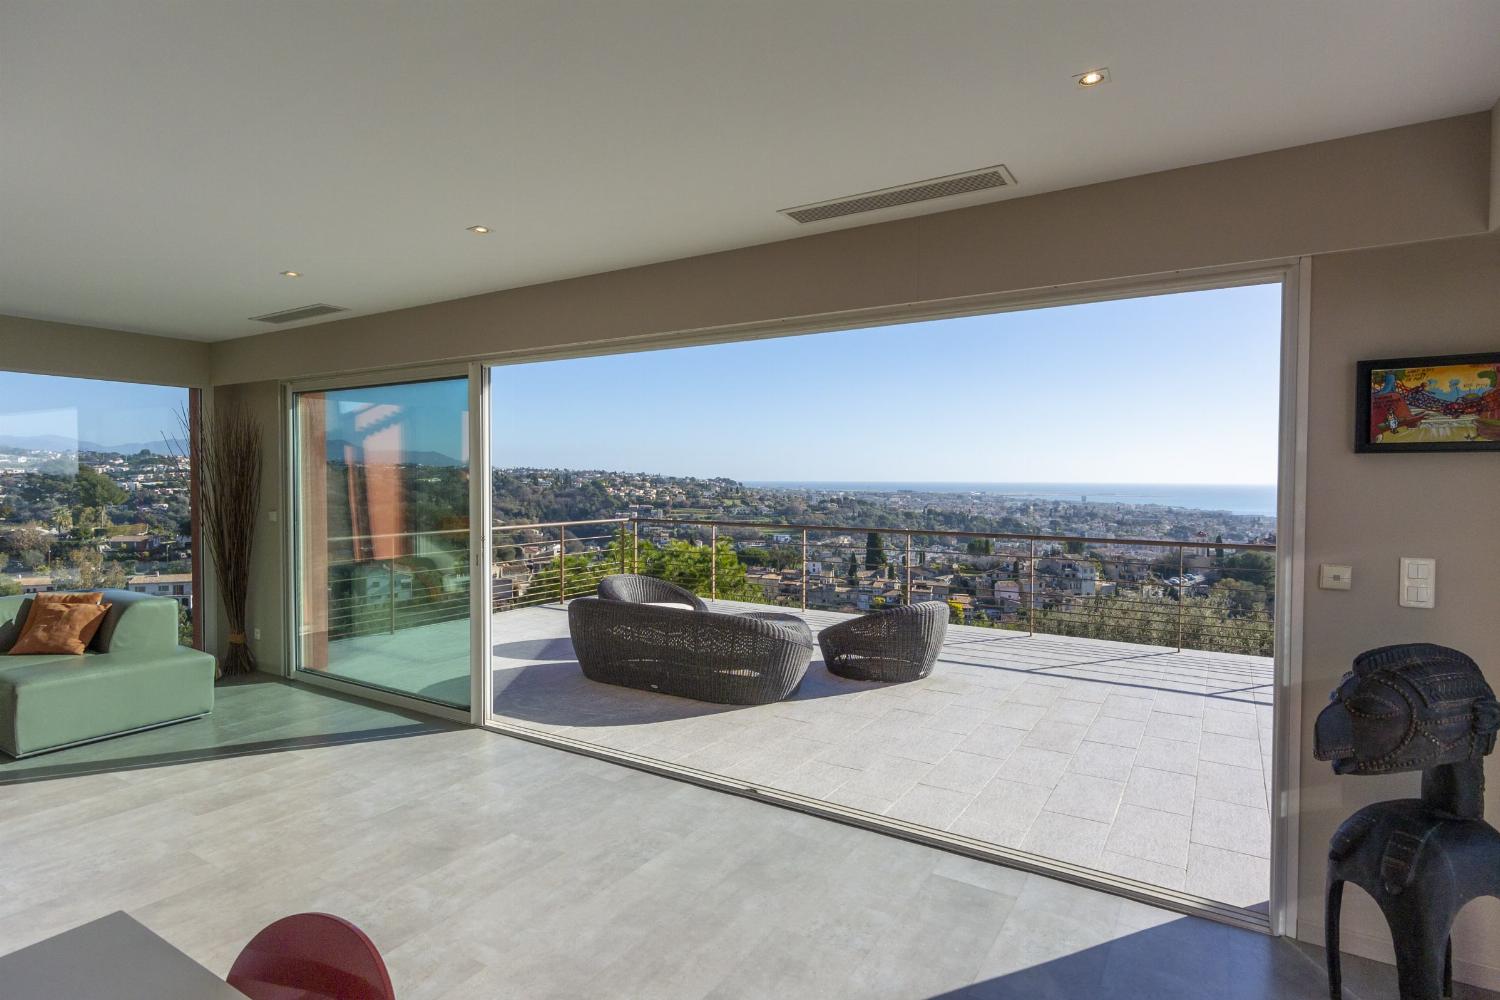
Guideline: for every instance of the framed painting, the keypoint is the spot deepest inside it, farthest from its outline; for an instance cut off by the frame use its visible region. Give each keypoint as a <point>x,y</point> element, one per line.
<point>1448,403</point>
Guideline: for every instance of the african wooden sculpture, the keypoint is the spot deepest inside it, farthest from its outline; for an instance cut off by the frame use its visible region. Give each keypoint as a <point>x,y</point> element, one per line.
<point>1416,707</point>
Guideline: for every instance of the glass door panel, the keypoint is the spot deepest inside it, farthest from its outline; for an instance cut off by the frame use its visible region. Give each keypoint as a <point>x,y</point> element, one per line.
<point>382,521</point>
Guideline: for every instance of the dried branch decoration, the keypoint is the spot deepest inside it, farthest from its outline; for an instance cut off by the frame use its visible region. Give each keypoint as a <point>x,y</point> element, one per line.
<point>229,450</point>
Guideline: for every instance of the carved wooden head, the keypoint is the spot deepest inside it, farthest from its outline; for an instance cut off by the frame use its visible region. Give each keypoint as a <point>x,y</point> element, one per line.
<point>1407,708</point>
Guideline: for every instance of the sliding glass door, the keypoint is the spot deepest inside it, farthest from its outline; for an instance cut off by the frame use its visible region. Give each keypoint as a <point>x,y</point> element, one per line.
<point>381,501</point>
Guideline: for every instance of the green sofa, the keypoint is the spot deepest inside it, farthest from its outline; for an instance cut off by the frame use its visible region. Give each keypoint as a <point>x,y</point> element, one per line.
<point>133,676</point>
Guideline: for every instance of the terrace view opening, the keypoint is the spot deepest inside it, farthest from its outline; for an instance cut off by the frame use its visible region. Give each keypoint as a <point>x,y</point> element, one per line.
<point>1088,492</point>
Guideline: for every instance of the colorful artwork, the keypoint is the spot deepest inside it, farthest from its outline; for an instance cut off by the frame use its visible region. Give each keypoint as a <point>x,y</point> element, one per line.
<point>1430,404</point>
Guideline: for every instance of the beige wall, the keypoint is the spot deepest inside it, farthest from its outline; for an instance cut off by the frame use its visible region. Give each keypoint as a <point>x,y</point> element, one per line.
<point>266,609</point>
<point>1495,166</point>
<point>1367,511</point>
<point>33,345</point>
<point>1420,182</point>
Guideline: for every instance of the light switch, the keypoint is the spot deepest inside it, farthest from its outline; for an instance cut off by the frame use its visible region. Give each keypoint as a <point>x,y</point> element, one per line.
<point>1331,577</point>
<point>1417,587</point>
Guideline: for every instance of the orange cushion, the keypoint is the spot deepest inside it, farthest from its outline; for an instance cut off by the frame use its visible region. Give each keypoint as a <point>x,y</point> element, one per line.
<point>80,598</point>
<point>59,627</point>
<point>38,600</point>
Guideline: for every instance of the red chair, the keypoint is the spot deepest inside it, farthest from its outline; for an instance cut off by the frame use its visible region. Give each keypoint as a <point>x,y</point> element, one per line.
<point>311,956</point>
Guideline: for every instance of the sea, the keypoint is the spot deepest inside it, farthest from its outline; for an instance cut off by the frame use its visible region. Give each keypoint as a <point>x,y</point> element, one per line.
<point>1234,498</point>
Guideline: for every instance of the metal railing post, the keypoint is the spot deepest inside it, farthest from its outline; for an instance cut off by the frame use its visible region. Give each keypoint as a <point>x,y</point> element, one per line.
<point>562,565</point>
<point>635,546</point>
<point>1181,585</point>
<point>1031,591</point>
<point>620,535</point>
<point>390,582</point>
<point>713,563</point>
<point>906,593</point>
<point>804,569</point>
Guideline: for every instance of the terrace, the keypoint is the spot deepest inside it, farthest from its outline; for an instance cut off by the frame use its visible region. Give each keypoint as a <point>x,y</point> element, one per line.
<point>1133,760</point>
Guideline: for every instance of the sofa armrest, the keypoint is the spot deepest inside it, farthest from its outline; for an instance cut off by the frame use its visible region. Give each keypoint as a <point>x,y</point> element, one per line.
<point>137,623</point>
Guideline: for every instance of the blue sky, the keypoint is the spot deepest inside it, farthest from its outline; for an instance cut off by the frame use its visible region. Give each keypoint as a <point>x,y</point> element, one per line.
<point>1164,389</point>
<point>108,413</point>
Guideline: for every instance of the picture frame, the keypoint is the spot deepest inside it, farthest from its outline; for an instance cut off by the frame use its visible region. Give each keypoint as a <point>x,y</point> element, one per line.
<point>1438,403</point>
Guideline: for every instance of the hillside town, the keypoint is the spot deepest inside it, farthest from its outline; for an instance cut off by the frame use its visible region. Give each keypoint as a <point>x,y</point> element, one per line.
<point>1210,572</point>
<point>535,495</point>
<point>95,519</point>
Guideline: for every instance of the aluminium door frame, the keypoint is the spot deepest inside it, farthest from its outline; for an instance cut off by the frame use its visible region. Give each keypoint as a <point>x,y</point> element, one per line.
<point>1293,275</point>
<point>291,534</point>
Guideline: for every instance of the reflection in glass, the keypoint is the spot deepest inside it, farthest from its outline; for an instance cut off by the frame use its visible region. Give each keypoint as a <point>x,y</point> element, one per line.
<point>383,537</point>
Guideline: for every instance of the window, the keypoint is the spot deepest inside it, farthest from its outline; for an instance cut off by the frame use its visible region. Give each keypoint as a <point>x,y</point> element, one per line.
<point>96,487</point>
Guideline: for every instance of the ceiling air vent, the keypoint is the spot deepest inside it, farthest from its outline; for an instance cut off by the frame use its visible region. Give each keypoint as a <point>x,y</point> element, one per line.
<point>301,312</point>
<point>998,176</point>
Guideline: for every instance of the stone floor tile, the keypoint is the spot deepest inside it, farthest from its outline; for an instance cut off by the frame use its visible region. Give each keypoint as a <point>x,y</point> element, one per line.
<point>1168,791</point>
<point>1243,829</point>
<point>1063,737</point>
<point>1088,797</point>
<point>1151,835</point>
<point>931,806</point>
<point>1227,876</point>
<point>1117,732</point>
<point>1034,767</point>
<point>963,772</point>
<point>1102,760</point>
<point>1066,838</point>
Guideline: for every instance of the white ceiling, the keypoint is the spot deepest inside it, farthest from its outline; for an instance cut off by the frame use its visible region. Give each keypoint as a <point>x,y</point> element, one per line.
<point>162,160</point>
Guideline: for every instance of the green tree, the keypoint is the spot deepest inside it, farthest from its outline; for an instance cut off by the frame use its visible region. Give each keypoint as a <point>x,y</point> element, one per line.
<point>694,567</point>
<point>874,551</point>
<point>89,521</point>
<point>27,537</point>
<point>89,565</point>
<point>9,587</point>
<point>113,576</point>
<point>184,625</point>
<point>851,575</point>
<point>1256,568</point>
<point>94,489</point>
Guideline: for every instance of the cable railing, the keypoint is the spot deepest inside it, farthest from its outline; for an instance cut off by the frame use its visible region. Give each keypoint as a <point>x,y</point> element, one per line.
<point>1176,593</point>
<point>424,582</point>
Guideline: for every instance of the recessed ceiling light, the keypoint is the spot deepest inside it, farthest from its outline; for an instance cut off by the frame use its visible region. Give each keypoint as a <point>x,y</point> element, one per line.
<point>291,274</point>
<point>1093,77</point>
<point>479,230</point>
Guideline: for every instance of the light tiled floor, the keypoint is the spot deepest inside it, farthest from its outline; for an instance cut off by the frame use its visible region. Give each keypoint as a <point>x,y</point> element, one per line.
<point>1139,761</point>
<point>489,867</point>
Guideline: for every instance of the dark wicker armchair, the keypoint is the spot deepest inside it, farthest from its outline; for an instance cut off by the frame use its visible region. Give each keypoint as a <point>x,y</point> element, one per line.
<point>635,589</point>
<point>896,645</point>
<point>707,655</point>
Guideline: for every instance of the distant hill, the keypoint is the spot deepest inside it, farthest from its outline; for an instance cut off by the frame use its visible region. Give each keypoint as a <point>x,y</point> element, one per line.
<point>56,442</point>
<point>436,459</point>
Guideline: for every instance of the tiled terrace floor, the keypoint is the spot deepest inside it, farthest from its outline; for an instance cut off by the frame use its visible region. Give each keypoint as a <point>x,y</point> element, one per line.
<point>1134,760</point>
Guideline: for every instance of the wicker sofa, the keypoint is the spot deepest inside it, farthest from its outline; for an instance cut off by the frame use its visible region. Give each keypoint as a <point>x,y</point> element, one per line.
<point>900,644</point>
<point>634,588</point>
<point>750,659</point>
